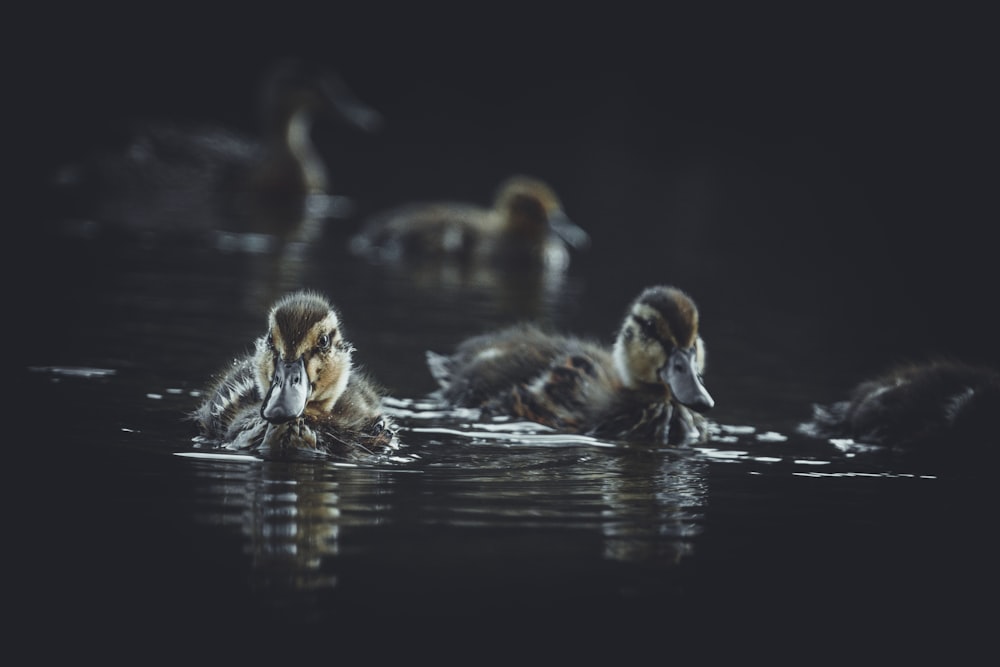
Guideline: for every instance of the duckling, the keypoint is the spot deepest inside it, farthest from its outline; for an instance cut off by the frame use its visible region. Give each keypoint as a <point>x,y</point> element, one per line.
<point>174,180</point>
<point>647,386</point>
<point>913,406</point>
<point>298,393</point>
<point>526,226</point>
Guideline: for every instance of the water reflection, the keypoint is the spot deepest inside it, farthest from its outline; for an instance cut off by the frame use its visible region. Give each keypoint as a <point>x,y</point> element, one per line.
<point>656,503</point>
<point>289,516</point>
<point>298,522</point>
<point>536,293</point>
<point>646,503</point>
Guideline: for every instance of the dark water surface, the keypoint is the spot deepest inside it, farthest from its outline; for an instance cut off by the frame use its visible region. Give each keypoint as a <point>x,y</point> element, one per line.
<point>818,254</point>
<point>759,535</point>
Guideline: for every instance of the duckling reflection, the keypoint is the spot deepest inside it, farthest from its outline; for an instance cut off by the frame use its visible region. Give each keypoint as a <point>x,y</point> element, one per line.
<point>648,386</point>
<point>526,227</point>
<point>644,504</point>
<point>298,394</point>
<point>656,505</point>
<point>290,516</point>
<point>919,408</point>
<point>175,181</point>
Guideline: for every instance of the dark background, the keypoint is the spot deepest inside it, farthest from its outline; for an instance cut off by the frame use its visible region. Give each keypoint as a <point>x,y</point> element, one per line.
<point>852,144</point>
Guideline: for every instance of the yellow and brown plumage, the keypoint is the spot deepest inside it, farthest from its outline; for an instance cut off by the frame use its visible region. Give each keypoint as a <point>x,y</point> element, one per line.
<point>298,393</point>
<point>525,226</point>
<point>647,386</point>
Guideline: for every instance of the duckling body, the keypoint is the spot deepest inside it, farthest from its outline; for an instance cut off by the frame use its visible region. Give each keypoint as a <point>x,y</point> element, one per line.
<point>174,180</point>
<point>646,387</point>
<point>298,392</point>
<point>916,406</point>
<point>526,226</point>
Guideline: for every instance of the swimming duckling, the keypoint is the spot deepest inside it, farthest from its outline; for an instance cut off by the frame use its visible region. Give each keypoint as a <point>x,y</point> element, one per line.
<point>914,406</point>
<point>525,226</point>
<point>175,180</point>
<point>648,386</point>
<point>298,392</point>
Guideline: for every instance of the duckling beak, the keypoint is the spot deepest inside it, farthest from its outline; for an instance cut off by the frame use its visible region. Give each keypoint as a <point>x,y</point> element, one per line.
<point>681,375</point>
<point>286,399</point>
<point>568,230</point>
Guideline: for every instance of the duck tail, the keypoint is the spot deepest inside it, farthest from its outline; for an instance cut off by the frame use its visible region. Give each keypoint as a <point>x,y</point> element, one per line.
<point>828,421</point>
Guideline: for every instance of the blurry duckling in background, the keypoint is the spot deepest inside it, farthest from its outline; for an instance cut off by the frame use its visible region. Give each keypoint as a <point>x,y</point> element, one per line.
<point>172,180</point>
<point>526,226</point>
<point>647,387</point>
<point>914,407</point>
<point>298,394</point>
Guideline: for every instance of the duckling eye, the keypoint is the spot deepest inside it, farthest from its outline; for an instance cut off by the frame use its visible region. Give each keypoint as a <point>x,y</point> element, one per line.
<point>324,341</point>
<point>270,341</point>
<point>647,327</point>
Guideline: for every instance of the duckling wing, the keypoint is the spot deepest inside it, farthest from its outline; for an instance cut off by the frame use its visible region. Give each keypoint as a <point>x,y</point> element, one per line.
<point>485,366</point>
<point>357,424</point>
<point>569,394</point>
<point>359,406</point>
<point>232,402</point>
<point>415,230</point>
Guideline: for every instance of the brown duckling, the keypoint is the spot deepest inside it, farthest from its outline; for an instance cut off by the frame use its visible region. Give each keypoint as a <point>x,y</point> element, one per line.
<point>172,180</point>
<point>916,406</point>
<point>647,386</point>
<point>298,393</point>
<point>526,226</point>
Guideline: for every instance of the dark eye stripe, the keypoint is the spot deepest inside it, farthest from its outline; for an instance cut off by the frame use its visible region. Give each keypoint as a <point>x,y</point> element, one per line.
<point>648,328</point>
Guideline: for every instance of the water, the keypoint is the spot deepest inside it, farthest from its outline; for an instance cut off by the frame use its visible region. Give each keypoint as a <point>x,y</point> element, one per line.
<point>479,535</point>
<point>760,531</point>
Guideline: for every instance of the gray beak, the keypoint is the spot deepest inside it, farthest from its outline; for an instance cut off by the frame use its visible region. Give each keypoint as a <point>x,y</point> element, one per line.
<point>568,231</point>
<point>681,375</point>
<point>286,399</point>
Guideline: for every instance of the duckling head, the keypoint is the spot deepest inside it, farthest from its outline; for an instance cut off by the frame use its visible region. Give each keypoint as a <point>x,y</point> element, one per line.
<point>531,209</point>
<point>293,94</point>
<point>291,85</point>
<point>659,344</point>
<point>303,362</point>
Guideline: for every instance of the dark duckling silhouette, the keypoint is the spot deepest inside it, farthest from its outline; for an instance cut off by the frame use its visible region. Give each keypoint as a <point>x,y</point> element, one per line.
<point>177,180</point>
<point>526,226</point>
<point>917,408</point>
<point>298,393</point>
<point>647,386</point>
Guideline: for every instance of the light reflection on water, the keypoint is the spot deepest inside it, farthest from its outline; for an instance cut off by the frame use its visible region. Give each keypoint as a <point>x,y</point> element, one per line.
<point>301,526</point>
<point>645,505</point>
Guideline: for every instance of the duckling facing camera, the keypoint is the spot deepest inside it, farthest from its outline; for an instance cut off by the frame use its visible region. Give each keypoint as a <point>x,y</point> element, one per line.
<point>177,180</point>
<point>918,408</point>
<point>646,387</point>
<point>298,394</point>
<point>526,226</point>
